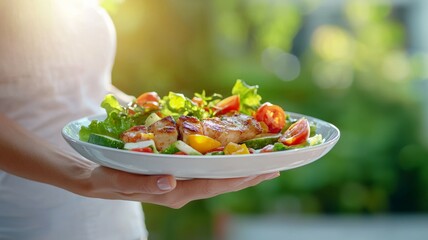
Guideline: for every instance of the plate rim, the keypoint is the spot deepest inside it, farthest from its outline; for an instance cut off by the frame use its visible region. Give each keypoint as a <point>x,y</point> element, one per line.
<point>196,166</point>
<point>333,140</point>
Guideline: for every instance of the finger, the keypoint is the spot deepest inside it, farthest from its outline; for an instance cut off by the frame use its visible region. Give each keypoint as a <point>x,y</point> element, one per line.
<point>128,183</point>
<point>252,181</point>
<point>237,184</point>
<point>190,190</point>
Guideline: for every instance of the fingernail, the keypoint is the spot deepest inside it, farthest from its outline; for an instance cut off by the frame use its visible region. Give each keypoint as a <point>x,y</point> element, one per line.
<point>164,184</point>
<point>272,176</point>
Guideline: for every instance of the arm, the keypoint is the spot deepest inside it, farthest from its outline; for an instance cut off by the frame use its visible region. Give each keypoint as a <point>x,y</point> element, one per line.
<point>27,156</point>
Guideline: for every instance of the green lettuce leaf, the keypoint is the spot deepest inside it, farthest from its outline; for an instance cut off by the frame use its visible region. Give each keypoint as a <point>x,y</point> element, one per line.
<point>110,104</point>
<point>176,104</point>
<point>249,99</point>
<point>116,122</point>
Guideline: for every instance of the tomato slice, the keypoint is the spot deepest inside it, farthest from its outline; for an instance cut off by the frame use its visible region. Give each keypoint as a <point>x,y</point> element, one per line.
<point>227,105</point>
<point>198,101</point>
<point>272,115</point>
<point>148,97</point>
<point>297,133</point>
<point>149,100</point>
<point>145,149</point>
<point>180,153</point>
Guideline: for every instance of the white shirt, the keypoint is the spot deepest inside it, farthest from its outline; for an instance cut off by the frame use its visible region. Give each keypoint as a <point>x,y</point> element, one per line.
<point>56,58</point>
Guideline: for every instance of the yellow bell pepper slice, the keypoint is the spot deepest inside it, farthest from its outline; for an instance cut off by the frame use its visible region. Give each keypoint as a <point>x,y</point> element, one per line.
<point>233,149</point>
<point>202,143</point>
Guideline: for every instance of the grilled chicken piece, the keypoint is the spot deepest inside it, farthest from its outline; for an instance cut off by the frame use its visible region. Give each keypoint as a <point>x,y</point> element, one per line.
<point>236,128</point>
<point>136,134</point>
<point>165,132</point>
<point>187,126</point>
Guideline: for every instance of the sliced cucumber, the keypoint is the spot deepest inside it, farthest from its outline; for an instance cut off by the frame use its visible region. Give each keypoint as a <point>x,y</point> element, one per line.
<point>105,141</point>
<point>180,146</point>
<point>152,118</point>
<point>257,143</point>
<point>142,144</point>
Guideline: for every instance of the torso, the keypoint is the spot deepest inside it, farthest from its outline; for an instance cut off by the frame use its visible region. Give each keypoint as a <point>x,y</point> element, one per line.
<point>55,65</point>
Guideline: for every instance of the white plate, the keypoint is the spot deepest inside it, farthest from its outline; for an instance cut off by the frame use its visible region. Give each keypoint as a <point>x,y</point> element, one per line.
<point>223,166</point>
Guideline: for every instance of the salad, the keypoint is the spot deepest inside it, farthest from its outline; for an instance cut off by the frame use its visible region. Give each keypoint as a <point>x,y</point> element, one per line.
<point>202,125</point>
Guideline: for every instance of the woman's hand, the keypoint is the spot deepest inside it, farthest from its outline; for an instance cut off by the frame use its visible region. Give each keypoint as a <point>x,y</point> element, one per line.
<point>102,182</point>
<point>24,154</point>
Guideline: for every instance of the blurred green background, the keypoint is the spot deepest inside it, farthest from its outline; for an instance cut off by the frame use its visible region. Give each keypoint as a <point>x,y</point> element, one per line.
<point>355,63</point>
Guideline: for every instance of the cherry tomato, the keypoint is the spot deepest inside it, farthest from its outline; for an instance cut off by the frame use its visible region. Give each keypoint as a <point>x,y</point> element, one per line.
<point>227,105</point>
<point>148,97</point>
<point>180,153</point>
<point>145,149</point>
<point>272,115</point>
<point>297,133</point>
<point>149,100</point>
<point>197,101</point>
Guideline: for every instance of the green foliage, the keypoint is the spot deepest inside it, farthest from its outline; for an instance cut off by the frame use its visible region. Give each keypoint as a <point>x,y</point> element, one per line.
<point>355,72</point>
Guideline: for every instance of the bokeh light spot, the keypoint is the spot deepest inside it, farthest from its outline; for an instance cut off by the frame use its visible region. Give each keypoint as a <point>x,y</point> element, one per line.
<point>284,65</point>
<point>333,75</point>
<point>332,43</point>
<point>396,67</point>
